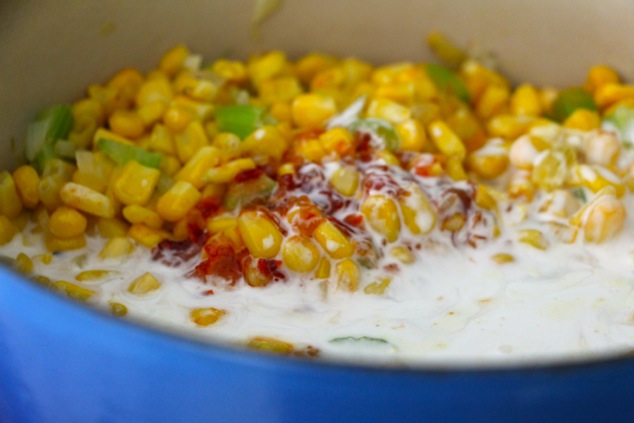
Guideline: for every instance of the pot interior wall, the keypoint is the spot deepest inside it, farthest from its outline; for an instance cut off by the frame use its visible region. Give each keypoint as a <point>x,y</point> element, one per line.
<point>50,51</point>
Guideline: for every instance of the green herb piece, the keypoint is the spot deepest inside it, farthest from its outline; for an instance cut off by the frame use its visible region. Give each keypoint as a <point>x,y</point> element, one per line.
<point>380,130</point>
<point>572,99</point>
<point>122,153</point>
<point>447,81</point>
<point>580,194</point>
<point>240,119</point>
<point>51,125</point>
<point>243,193</point>
<point>353,339</point>
<point>621,120</point>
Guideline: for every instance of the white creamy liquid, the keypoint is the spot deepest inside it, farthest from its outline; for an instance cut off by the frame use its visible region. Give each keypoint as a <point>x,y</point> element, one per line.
<point>454,306</point>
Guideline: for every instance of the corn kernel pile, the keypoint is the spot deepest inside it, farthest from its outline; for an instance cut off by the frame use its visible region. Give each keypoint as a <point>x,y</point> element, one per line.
<point>273,169</point>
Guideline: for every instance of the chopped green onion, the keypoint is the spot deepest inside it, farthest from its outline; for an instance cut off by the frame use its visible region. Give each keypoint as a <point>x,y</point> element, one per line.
<point>122,153</point>
<point>65,149</point>
<point>381,131</point>
<point>240,119</point>
<point>621,120</point>
<point>353,339</point>
<point>51,125</point>
<point>447,81</point>
<point>244,193</point>
<point>570,100</point>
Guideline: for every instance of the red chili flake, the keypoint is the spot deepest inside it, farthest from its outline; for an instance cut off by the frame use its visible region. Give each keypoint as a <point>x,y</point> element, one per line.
<point>307,219</point>
<point>174,253</point>
<point>392,267</point>
<point>208,292</point>
<point>309,134</point>
<point>208,206</point>
<point>249,174</point>
<point>354,219</point>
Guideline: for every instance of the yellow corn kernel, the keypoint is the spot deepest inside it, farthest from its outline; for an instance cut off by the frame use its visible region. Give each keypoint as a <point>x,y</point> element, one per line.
<point>520,185</point>
<point>323,270</point>
<point>145,283</point>
<point>7,230</point>
<point>41,217</point>
<point>161,140</point>
<point>502,258</point>
<point>281,111</point>
<point>139,214</point>
<point>84,127</point>
<point>111,228</point>
<point>560,203</point>
<point>66,222</point>
<point>611,93</point>
<point>178,117</point>
<point>136,183</point>
<point>453,223</point>
<point>260,235</point>
<point>381,214</point>
<point>26,182</point>
<point>300,254</point>
<point>151,113</point>
<point>266,66</point>
<point>345,180</point>
<point>583,120</point>
<point>201,89</point>
<point>348,275</point>
<point>279,89</point>
<point>378,287</point>
<point>55,245</point>
<point>493,100</point>
<point>534,238</point>
<point>412,135</point>
<point>525,101</point>
<point>231,70</point>
<point>310,65</point>
<point>196,167</point>
<point>508,126</point>
<point>229,145</point>
<point>484,198</point>
<point>126,123</point>
<point>332,240</point>
<point>600,75</point>
<point>478,78</point>
<point>10,202</point>
<point>172,61</point>
<point>157,90</point>
<point>118,309</point>
<point>270,345</point>
<point>177,201</point>
<point>403,254</point>
<point>286,169</point>
<point>192,139</point>
<point>525,150</point>
<point>602,149</point>
<point>116,247</point>
<point>454,169</point>
<point>87,200</point>
<point>313,110</point>
<point>597,177</point>
<point>337,140</point>
<point>388,110</point>
<point>214,191</point>
<point>228,171</point>
<point>400,92</point>
<point>550,170</point>
<point>23,264</point>
<point>206,316</point>
<point>264,143</point>
<point>311,150</point>
<point>147,236</point>
<point>490,161</point>
<point>46,258</point>
<point>170,166</point>
<point>104,133</point>
<point>446,140</point>
<point>601,218</point>
<point>220,223</point>
<point>92,275</point>
<point>418,214</point>
<point>73,291</point>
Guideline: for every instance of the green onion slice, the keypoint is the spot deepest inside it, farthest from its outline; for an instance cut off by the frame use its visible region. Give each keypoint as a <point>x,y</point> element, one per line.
<point>122,153</point>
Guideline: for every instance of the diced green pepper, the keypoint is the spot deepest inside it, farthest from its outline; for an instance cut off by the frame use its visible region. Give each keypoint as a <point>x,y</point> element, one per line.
<point>447,81</point>
<point>243,193</point>
<point>122,153</point>
<point>570,100</point>
<point>240,119</point>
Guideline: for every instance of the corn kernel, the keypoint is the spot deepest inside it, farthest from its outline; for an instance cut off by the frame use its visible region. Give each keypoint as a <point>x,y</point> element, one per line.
<point>127,124</point>
<point>348,275</point>
<point>312,110</point>
<point>534,238</point>
<point>178,117</point>
<point>502,258</point>
<point>86,200</point>
<point>7,230</point>
<point>26,182</point>
<point>525,150</point>
<point>10,202</point>
<point>337,140</point>
<point>611,93</point>
<point>152,112</point>
<point>116,247</point>
<point>279,89</point>
<point>323,270</point>
<point>596,178</point>
<point>177,201</point>
<point>345,180</point>
<point>266,66</point>
<point>600,75</point>
<point>231,70</point>
<point>227,172</point>
<point>144,284</point>
<point>332,240</point>
<point>490,161</point>
<point>136,183</point>
<point>378,287</point>
<point>92,275</point>
<point>412,135</point>
<point>403,255</point>
<point>156,90</point>
<point>196,167</point>
<point>55,244</point>
<point>23,264</point>
<point>172,61</point>
<point>147,236</point>
<point>139,214</point>
<point>206,316</point>
<point>310,65</point>
<point>525,101</point>
<point>602,149</point>
<point>300,254</point>
<point>73,291</point>
<point>270,345</point>
<point>192,139</point>
<point>220,223</point>
<point>453,223</point>
<point>446,140</point>
<point>493,100</point>
<point>118,309</point>
<point>418,214</point>
<point>508,126</point>
<point>602,218</point>
<point>260,235</point>
<point>454,168</point>
<point>583,120</point>
<point>66,222</point>
<point>388,110</point>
